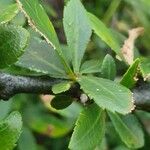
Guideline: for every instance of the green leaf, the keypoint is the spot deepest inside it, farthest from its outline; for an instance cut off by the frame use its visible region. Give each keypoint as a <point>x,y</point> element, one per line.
<point>71,112</point>
<point>10,130</point>
<point>128,129</point>
<point>13,40</point>
<point>61,102</point>
<point>108,69</point>
<point>108,94</point>
<point>90,66</point>
<point>145,68</point>
<point>121,147</point>
<point>4,108</point>
<point>104,33</point>
<point>102,145</point>
<point>129,78</point>
<point>47,124</point>
<point>4,4</point>
<point>39,20</point>
<point>8,13</point>
<point>41,57</point>
<point>27,140</point>
<point>89,130</point>
<point>17,70</point>
<point>61,87</point>
<point>77,30</point>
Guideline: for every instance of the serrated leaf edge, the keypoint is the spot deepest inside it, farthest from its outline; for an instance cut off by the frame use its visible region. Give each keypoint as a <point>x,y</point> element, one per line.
<point>31,23</point>
<point>78,124</point>
<point>132,102</point>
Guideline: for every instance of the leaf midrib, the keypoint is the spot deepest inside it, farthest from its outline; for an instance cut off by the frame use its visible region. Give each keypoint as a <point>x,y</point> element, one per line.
<point>50,65</point>
<point>93,125</point>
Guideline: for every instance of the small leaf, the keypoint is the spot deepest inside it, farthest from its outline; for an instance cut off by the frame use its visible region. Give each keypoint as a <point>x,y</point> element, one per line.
<point>108,94</point>
<point>89,130</point>
<point>8,13</point>
<point>90,66</point>
<point>130,77</point>
<point>10,130</point>
<point>77,30</point>
<point>128,129</point>
<point>27,140</point>
<point>108,69</point>
<point>5,3</point>
<point>61,102</point>
<point>145,68</point>
<point>17,70</point>
<point>104,33</point>
<point>13,40</point>
<point>4,108</point>
<point>61,87</point>
<point>42,58</point>
<point>39,20</point>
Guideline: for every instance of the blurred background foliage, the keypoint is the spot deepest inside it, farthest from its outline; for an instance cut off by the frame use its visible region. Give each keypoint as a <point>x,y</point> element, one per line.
<point>49,129</point>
